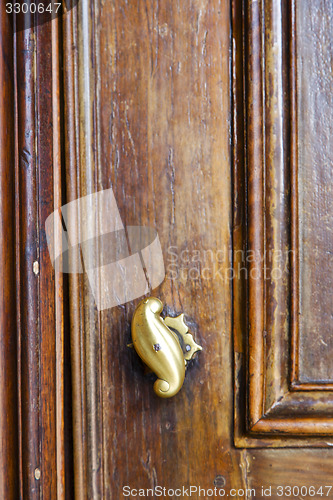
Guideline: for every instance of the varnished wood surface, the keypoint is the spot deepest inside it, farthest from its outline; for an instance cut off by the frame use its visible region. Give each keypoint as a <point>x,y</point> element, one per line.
<point>275,402</point>
<point>28,249</point>
<point>168,153</point>
<point>156,131</point>
<point>289,467</point>
<point>79,89</point>
<point>9,439</point>
<point>314,21</point>
<point>32,332</point>
<point>144,106</point>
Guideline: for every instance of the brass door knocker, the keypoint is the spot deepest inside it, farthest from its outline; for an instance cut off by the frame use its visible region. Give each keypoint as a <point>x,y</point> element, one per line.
<point>163,350</point>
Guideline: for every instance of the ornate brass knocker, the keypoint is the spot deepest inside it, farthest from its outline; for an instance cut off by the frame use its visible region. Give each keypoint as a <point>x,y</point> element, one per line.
<point>159,346</point>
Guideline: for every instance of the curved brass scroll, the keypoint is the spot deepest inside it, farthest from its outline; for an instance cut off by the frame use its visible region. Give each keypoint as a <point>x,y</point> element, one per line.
<point>160,348</point>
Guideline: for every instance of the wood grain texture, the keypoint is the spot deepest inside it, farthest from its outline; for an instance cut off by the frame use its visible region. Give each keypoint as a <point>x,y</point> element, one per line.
<point>295,468</point>
<point>276,404</point>
<point>51,319</point>
<point>147,113</point>
<point>167,156</point>
<point>314,86</point>
<point>28,245</point>
<point>146,109</point>
<point>82,172</point>
<point>9,430</point>
<point>40,325</point>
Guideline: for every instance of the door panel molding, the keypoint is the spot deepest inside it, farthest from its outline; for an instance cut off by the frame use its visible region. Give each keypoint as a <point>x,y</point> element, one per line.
<point>147,113</point>
<point>269,401</point>
<point>81,142</point>
<point>40,289</point>
<point>9,424</point>
<point>31,311</point>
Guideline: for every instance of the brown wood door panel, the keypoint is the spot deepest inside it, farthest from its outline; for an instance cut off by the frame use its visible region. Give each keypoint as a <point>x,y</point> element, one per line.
<point>288,183</point>
<point>167,165</point>
<point>33,456</point>
<point>210,121</point>
<point>312,365</point>
<point>156,78</point>
<point>9,487</point>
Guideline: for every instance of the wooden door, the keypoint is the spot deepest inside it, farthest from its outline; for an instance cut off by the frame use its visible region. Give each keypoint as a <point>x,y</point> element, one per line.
<point>210,121</point>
